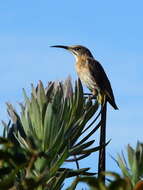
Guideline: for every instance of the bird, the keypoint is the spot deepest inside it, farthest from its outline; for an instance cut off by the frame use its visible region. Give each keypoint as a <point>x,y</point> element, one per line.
<point>92,74</point>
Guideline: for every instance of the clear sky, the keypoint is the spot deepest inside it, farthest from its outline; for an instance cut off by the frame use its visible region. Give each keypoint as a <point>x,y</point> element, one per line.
<point>112,30</point>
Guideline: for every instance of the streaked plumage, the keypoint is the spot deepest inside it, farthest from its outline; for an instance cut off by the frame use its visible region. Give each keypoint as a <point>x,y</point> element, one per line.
<point>92,74</point>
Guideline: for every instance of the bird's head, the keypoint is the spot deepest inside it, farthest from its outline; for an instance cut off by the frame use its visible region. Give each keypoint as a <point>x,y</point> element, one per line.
<point>76,50</point>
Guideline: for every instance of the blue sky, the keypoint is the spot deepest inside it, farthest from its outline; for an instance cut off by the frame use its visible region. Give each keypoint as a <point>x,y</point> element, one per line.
<point>112,30</point>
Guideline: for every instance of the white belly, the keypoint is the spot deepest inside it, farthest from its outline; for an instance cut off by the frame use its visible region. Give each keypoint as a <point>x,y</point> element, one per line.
<point>86,78</point>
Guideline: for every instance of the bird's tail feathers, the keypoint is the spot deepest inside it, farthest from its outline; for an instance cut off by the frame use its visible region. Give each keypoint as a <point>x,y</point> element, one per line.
<point>112,102</point>
<point>102,97</point>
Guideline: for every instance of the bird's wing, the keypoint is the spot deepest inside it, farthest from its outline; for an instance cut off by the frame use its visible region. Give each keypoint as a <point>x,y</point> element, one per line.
<point>101,80</point>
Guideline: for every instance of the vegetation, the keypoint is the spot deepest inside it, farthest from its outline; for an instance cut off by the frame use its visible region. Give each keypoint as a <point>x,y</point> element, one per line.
<point>54,127</point>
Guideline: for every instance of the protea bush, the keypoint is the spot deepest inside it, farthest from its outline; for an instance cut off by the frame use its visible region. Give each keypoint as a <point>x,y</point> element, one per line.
<point>50,129</point>
<point>54,126</point>
<point>132,167</point>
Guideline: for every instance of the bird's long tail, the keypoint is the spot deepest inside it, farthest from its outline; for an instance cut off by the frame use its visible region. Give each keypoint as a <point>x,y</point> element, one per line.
<point>102,152</point>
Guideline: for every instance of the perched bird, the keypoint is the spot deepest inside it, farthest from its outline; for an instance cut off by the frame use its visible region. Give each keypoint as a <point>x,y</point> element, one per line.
<point>92,74</point>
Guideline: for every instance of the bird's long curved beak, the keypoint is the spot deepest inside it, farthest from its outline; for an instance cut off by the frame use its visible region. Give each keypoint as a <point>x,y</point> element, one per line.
<point>60,46</point>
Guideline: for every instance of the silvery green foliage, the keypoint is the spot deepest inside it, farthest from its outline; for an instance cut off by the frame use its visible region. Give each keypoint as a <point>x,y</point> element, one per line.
<point>133,168</point>
<point>52,125</point>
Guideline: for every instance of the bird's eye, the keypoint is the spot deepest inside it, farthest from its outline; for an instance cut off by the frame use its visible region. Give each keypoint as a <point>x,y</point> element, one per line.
<point>77,49</point>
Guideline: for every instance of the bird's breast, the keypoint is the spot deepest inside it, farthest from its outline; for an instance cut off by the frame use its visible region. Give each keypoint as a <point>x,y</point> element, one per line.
<point>84,74</point>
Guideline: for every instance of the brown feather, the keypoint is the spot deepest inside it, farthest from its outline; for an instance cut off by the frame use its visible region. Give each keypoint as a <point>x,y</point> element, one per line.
<point>102,80</point>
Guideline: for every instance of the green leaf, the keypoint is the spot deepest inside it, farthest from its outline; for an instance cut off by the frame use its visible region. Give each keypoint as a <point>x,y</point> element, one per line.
<point>90,133</point>
<point>60,180</point>
<point>123,167</point>
<point>59,162</point>
<point>41,96</point>
<point>81,147</point>
<point>131,154</point>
